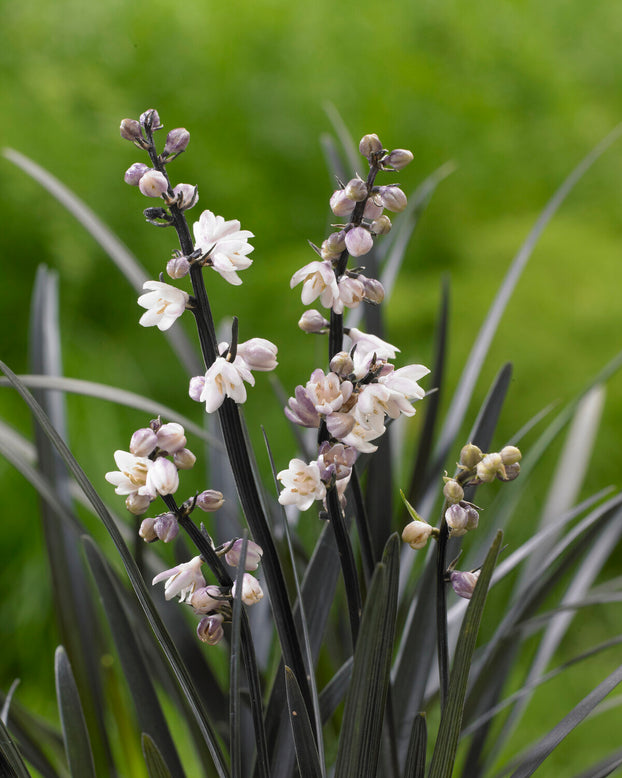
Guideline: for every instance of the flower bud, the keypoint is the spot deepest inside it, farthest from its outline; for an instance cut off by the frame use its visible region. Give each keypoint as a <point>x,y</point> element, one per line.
<point>510,455</point>
<point>176,141</point>
<point>153,183</point>
<point>209,629</point>
<point>336,241</point>
<point>470,456</point>
<point>488,468</point>
<point>370,144</point>
<point>143,442</point>
<point>374,290</point>
<point>327,252</point>
<point>135,172</point>
<point>472,516</point>
<point>511,472</point>
<point>457,519</point>
<point>356,190</point>
<point>130,129</point>
<point>359,241</point>
<point>340,204</point>
<point>178,267</point>
<point>163,476</point>
<point>206,599</point>
<point>253,554</point>
<point>312,321</point>
<point>258,353</point>
<point>381,226</point>
<point>195,390</point>
<point>251,590</point>
<point>184,459</point>
<point>166,527</point>
<point>147,530</point>
<point>373,209</point>
<point>393,198</point>
<point>210,500</point>
<point>463,584</point>
<point>342,364</point>
<point>186,195</point>
<point>452,491</point>
<point>416,534</point>
<point>150,119</point>
<point>137,503</point>
<point>171,437</point>
<point>397,159</point>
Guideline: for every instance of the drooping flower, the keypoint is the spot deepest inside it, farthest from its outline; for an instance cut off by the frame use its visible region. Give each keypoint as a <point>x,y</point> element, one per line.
<point>416,534</point>
<point>318,280</point>
<point>222,380</point>
<point>225,244</point>
<point>182,580</point>
<point>251,590</point>
<point>132,473</point>
<point>162,478</point>
<point>164,304</point>
<point>209,629</point>
<point>258,354</point>
<point>302,484</point>
<point>463,583</point>
<point>253,554</point>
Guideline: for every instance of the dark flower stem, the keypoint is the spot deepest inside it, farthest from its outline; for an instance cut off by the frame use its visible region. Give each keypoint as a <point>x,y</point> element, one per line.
<point>441,609</point>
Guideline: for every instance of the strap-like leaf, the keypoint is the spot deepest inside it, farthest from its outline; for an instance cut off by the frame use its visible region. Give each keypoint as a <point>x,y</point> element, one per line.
<point>361,733</point>
<point>156,766</point>
<point>11,763</point>
<point>415,759</point>
<point>304,741</point>
<point>77,744</point>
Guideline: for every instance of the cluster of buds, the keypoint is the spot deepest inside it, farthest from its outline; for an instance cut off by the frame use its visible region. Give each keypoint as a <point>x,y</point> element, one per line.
<point>353,401</point>
<point>363,204</point>
<point>150,467</point>
<point>165,527</point>
<point>213,603</point>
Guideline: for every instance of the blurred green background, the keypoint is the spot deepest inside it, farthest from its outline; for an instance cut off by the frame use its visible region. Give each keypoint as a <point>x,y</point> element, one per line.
<point>514,92</point>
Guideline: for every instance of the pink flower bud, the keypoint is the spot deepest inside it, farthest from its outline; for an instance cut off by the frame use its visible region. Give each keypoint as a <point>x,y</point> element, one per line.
<point>397,159</point>
<point>143,442</point>
<point>253,554</point>
<point>416,534</point>
<point>150,119</point>
<point>337,241</point>
<point>373,289</point>
<point>251,590</point>
<point>130,129</point>
<point>463,584</point>
<point>210,500</point>
<point>381,226</point>
<point>210,629</point>
<point>342,364</point>
<point>153,183</point>
<point>393,198</point>
<point>258,353</point>
<point>163,477</point>
<point>313,321</point>
<point>134,173</point>
<point>184,459</point>
<point>356,190</point>
<point>373,209</point>
<point>456,518</point>
<point>136,503</point>
<point>340,203</point>
<point>370,144</point>
<point>147,530</point>
<point>206,599</point>
<point>171,437</point>
<point>178,267</point>
<point>166,527</point>
<point>187,196</point>
<point>176,141</point>
<point>359,241</point>
<point>197,384</point>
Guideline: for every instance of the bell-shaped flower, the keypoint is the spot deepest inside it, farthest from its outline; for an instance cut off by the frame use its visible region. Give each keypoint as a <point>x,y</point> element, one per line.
<point>225,244</point>
<point>209,629</point>
<point>171,437</point>
<point>302,484</point>
<point>132,473</point>
<point>222,380</point>
<point>251,590</point>
<point>182,580</point>
<point>258,354</point>
<point>327,392</point>
<point>351,294</point>
<point>318,280</point>
<point>164,304</point>
<point>360,436</point>
<point>366,342</point>
<point>301,409</point>
<point>253,554</point>
<point>162,478</point>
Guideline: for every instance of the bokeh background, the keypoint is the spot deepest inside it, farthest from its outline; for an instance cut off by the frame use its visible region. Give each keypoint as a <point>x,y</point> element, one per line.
<point>514,92</point>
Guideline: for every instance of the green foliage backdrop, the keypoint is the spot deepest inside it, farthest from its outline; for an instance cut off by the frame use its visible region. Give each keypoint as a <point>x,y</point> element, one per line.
<point>514,92</point>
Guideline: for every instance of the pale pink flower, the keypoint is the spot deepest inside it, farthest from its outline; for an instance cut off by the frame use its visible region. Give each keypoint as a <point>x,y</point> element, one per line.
<point>222,380</point>
<point>225,244</point>
<point>258,354</point>
<point>251,590</point>
<point>132,473</point>
<point>302,484</point>
<point>164,304</point>
<point>327,392</point>
<point>359,241</point>
<point>366,342</point>
<point>162,478</point>
<point>318,280</point>
<point>183,579</point>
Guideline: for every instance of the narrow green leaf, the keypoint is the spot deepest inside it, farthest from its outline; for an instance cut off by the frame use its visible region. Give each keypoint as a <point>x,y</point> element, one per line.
<point>334,691</point>
<point>446,745</point>
<point>304,741</point>
<point>604,767</point>
<point>77,743</point>
<point>415,758</point>
<point>156,766</point>
<point>361,733</point>
<point>11,763</point>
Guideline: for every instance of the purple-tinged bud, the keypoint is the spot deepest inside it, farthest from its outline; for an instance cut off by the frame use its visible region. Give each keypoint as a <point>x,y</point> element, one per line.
<point>339,425</point>
<point>393,198</point>
<point>251,590</point>
<point>186,196</point>
<point>359,241</point>
<point>374,290</point>
<point>397,159</point>
<point>416,534</point>
<point>171,437</point>
<point>135,172</point>
<point>356,189</point>
<point>313,321</point>
<point>195,390</point>
<point>452,491</point>
<point>336,241</point>
<point>370,144</point>
<point>381,226</point>
<point>150,119</point>
<point>488,468</point>
<point>342,364</point>
<point>184,459</point>
<point>206,599</point>
<point>258,353</point>
<point>130,130</point>
<point>143,442</point>
<point>178,267</point>
<point>457,519</point>
<point>327,252</point>
<point>373,209</point>
<point>210,500</point>
<point>340,203</point>
<point>163,476</point>
<point>176,141</point>
<point>511,472</point>
<point>472,516</point>
<point>153,183</point>
<point>470,455</point>
<point>463,584</point>
<point>137,504</point>
<point>253,554</point>
<point>510,455</point>
<point>166,527</point>
<point>147,530</point>
<point>302,410</point>
<point>210,629</point>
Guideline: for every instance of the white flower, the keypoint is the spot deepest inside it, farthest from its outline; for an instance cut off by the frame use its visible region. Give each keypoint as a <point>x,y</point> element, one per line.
<point>359,438</point>
<point>366,342</point>
<point>225,243</point>
<point>183,579</point>
<point>251,590</point>
<point>162,478</point>
<point>404,381</point>
<point>318,280</point>
<point>132,473</point>
<point>164,304</point>
<point>302,484</point>
<point>416,534</point>
<point>222,380</point>
<point>327,392</point>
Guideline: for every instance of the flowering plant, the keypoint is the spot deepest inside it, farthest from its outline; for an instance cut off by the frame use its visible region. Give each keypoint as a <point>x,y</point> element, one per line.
<point>412,618</point>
